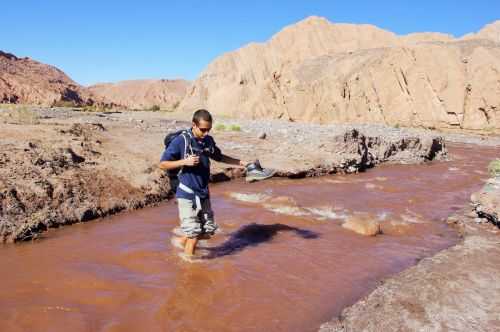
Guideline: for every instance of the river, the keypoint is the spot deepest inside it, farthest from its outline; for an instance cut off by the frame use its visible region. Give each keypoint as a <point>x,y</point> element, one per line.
<point>282,261</point>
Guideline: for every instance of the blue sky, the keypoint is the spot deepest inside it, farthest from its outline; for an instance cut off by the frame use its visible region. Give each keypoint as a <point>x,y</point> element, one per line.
<point>108,40</point>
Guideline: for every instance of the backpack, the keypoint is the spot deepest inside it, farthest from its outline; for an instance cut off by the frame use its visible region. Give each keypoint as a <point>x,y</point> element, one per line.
<point>173,174</point>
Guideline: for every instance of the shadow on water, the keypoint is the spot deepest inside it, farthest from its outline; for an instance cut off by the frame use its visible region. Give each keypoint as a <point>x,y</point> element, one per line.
<point>253,235</point>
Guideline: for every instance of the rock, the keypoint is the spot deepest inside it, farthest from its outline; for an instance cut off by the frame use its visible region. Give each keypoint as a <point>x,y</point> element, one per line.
<point>363,224</point>
<point>395,227</point>
<point>486,203</point>
<point>471,214</point>
<point>262,135</point>
<point>75,158</point>
<point>478,220</point>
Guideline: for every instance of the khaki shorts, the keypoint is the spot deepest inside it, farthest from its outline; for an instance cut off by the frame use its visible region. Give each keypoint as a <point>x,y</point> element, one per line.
<point>193,223</point>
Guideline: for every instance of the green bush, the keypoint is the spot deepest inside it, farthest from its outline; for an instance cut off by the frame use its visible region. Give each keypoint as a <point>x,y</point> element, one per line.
<point>155,108</point>
<point>494,168</point>
<point>220,127</point>
<point>235,128</point>
<point>223,127</point>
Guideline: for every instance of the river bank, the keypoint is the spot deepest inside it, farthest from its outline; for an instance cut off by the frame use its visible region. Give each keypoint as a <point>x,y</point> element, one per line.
<point>63,166</point>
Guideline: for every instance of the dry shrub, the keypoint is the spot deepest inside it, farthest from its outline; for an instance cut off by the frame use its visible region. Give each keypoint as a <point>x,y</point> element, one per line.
<point>494,168</point>
<point>25,115</point>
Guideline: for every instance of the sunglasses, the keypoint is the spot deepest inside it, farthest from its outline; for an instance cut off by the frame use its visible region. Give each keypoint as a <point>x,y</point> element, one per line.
<point>204,130</point>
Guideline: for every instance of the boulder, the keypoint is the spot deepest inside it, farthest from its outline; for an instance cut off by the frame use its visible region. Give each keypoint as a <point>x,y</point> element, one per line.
<point>363,224</point>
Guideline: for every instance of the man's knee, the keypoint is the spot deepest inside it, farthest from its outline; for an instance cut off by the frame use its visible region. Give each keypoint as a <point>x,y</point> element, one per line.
<point>191,227</point>
<point>189,220</point>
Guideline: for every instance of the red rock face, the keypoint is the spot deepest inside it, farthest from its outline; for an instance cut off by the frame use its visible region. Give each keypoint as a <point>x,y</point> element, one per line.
<point>25,81</point>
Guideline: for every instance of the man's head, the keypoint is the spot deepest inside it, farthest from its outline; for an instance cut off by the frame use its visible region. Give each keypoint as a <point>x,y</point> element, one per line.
<point>202,123</point>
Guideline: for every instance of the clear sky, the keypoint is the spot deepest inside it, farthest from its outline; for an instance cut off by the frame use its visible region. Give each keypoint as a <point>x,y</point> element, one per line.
<point>110,40</point>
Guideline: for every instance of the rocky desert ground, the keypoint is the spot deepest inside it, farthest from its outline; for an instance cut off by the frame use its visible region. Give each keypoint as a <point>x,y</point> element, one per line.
<point>61,166</point>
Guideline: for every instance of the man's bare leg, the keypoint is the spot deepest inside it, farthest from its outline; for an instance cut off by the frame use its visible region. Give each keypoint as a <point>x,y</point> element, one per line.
<point>190,246</point>
<point>179,241</point>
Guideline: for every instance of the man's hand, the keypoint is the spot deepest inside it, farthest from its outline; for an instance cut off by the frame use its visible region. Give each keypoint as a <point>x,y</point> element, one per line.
<point>191,160</point>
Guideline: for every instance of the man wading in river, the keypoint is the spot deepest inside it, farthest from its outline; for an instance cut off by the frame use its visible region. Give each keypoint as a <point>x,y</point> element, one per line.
<point>191,151</point>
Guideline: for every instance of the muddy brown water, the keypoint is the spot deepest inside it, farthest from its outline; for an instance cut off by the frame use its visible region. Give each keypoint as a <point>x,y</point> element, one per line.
<point>281,263</point>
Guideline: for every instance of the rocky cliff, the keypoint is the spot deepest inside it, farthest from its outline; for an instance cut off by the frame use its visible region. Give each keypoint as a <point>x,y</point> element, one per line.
<point>316,71</point>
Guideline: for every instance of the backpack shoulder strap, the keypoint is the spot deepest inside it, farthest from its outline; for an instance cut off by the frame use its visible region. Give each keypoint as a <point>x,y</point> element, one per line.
<point>187,145</point>
<point>186,134</point>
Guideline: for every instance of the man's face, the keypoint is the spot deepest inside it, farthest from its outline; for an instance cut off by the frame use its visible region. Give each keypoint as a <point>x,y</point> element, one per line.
<point>201,129</point>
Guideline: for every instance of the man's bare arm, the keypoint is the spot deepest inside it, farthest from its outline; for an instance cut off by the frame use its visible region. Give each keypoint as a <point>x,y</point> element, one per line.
<point>233,161</point>
<point>189,161</point>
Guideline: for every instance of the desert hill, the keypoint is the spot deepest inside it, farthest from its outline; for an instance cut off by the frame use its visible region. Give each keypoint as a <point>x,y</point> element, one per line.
<point>490,31</point>
<point>317,71</point>
<point>143,94</point>
<point>25,81</point>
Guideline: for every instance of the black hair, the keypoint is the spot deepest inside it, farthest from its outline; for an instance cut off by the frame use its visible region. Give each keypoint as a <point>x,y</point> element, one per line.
<point>202,114</point>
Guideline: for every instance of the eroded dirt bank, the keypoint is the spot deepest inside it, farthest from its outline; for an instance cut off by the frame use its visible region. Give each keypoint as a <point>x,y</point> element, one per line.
<point>62,166</point>
<point>455,290</point>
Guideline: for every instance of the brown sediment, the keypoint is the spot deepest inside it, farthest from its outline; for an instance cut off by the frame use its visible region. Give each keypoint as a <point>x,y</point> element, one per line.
<point>281,262</point>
